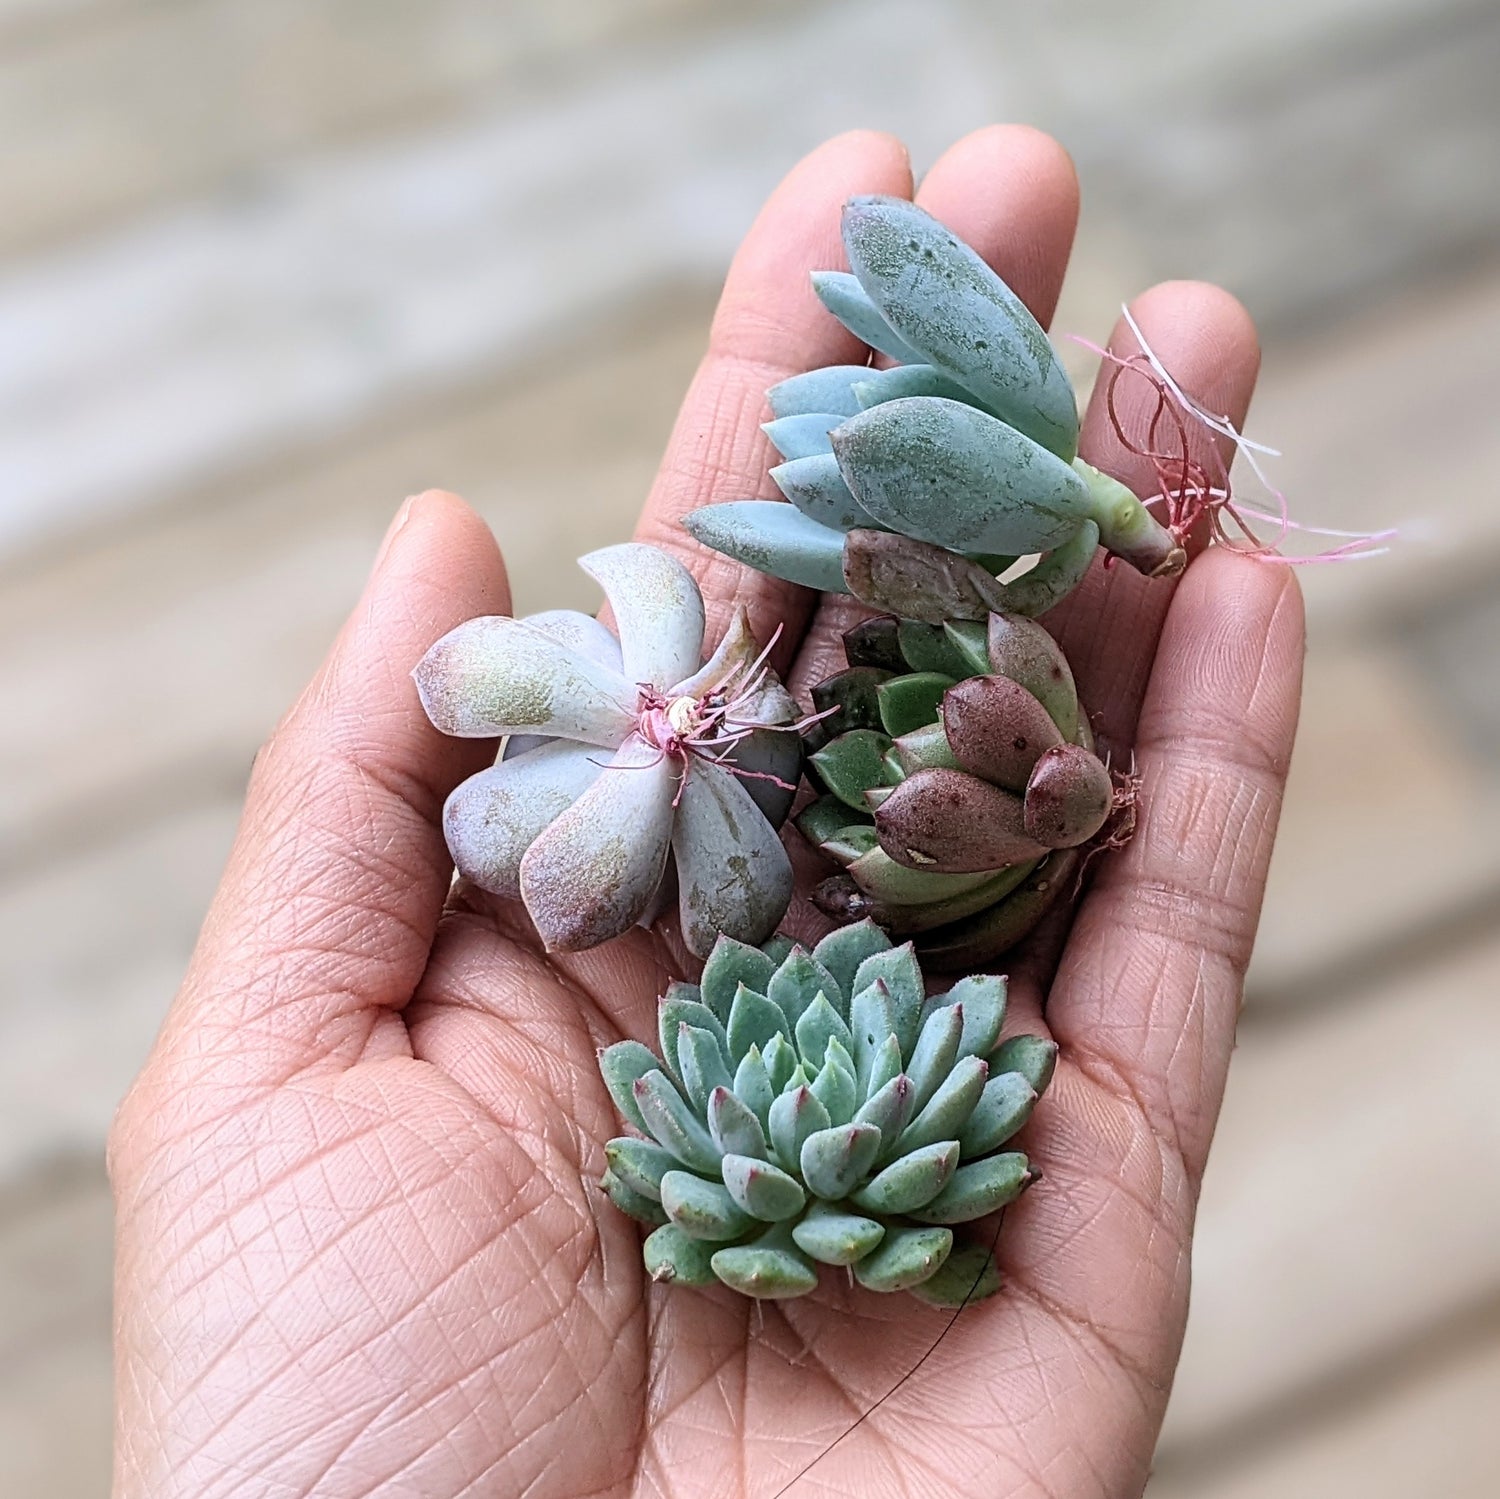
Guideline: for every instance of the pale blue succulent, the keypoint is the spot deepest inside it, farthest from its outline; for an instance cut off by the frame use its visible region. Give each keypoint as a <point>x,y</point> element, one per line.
<point>628,755</point>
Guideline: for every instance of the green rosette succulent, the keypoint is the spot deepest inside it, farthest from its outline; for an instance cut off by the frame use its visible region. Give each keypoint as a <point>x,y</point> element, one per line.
<point>914,487</point>
<point>959,783</point>
<point>629,762</point>
<point>813,1108</point>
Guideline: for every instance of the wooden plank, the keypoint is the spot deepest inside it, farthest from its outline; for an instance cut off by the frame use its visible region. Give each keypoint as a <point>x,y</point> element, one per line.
<point>1348,1203</point>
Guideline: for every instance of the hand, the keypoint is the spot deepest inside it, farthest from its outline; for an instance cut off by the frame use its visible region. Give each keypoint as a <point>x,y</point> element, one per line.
<point>360,1246</point>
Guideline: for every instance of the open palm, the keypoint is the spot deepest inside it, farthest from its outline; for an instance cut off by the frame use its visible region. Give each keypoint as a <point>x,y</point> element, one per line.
<point>360,1248</point>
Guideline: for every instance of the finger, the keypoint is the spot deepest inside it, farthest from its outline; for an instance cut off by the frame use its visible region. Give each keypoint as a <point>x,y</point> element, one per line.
<point>1012,194</point>
<point>1149,990</point>
<point>1110,626</point>
<point>769,325</point>
<point>323,921</point>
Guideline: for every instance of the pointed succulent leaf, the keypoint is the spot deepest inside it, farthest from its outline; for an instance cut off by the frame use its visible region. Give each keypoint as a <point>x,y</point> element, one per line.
<point>680,1007</point>
<point>880,877</point>
<point>911,1182</point>
<point>803,435</point>
<point>946,822</point>
<point>752,1084</point>
<point>853,693</point>
<point>902,975</point>
<point>872,1022</point>
<point>732,1125</point>
<point>799,980</point>
<point>1003,1107</point>
<point>948,1109</point>
<point>935,1053</point>
<point>733,875</point>
<point>842,951</point>
<point>753,1020</point>
<point>1031,1056</point>
<point>977,1189</point>
<point>775,538</point>
<point>849,765</point>
<point>885,1066</point>
<point>889,1110</point>
<point>983,997</point>
<point>997,729</point>
<point>835,1161</point>
<point>1022,650</point>
<point>732,965</point>
<point>780,1058</point>
<point>491,819</point>
<point>928,648</point>
<point>496,675</point>
<point>673,1124</point>
<point>834,1236</point>
<point>640,1207</point>
<point>904,1258</point>
<point>969,641</point>
<point>673,1258</point>
<point>761,1189</point>
<point>640,1164</point>
<point>1068,798</point>
<point>917,580</point>
<point>848,301</point>
<point>592,872</point>
<point>827,389</point>
<point>657,608</point>
<point>968,1275</point>
<point>835,1087</point>
<point>926,748</point>
<point>816,487</point>
<point>702,1209</point>
<point>701,1065</point>
<point>819,1023</point>
<point>840,898</point>
<point>580,632</point>
<point>825,818</point>
<point>981,938</point>
<point>944,300</point>
<point>876,642</point>
<point>916,379</point>
<point>794,1116</point>
<point>778,948</point>
<point>731,658</point>
<point>952,475</point>
<point>622,1066</point>
<point>1055,575</point>
<point>909,702</point>
<point>771,1268</point>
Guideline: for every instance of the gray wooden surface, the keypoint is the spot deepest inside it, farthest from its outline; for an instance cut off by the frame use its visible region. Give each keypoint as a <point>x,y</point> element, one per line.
<point>265,269</point>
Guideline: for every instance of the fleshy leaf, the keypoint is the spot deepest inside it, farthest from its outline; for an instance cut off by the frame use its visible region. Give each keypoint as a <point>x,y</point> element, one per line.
<point>916,379</point>
<point>827,389</point>
<point>884,1065</point>
<point>1022,650</point>
<point>841,952</point>
<point>997,730</point>
<point>753,1020</point>
<point>794,1116</point>
<point>1031,1056</point>
<point>835,1086</point>
<point>1068,798</point>
<point>733,875</point>
<point>926,748</point>
<point>834,1236</point>
<point>981,938</point>
<point>935,1053</point>
<point>876,642</point>
<point>701,1065</point>
<point>673,1125</point>
<point>681,1006</point>
<point>949,1108</point>
<point>579,632</point>
<point>771,1268</point>
<point>780,1058</point>
<point>798,982</point>
<point>917,580</point>
<point>872,1020</point>
<point>983,999</point>
<point>622,1066</point>
<point>818,1024</point>
<point>946,822</point>
<point>801,436</point>
<point>752,1084</point>
<point>953,475</point>
<point>702,1209</point>
<point>773,537</point>
<point>816,487</point>
<point>853,763</point>
<point>734,1127</point>
<point>945,301</point>
<point>835,1161</point>
<point>977,1189</point>
<point>902,975</point>
<point>853,693</point>
<point>889,1110</point>
<point>909,702</point>
<point>761,1189</point>
<point>496,675</point>
<point>640,1207</point>
<point>1055,576</point>
<point>905,1258</point>
<point>672,1258</point>
<point>928,648</point>
<point>881,877</point>
<point>640,1164</point>
<point>1003,1107</point>
<point>912,1182</point>
<point>658,611</point>
<point>969,641</point>
<point>730,965</point>
<point>848,301</point>
<point>593,871</point>
<point>968,1275</point>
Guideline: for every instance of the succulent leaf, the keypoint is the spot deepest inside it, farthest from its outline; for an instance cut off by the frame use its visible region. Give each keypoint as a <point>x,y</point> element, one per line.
<point>834,1236</point>
<point>681,1006</point>
<point>885,1067</point>
<point>949,1108</point>
<point>909,702</point>
<point>834,1161</point>
<point>835,1086</point>
<point>673,1124</point>
<point>1054,576</point>
<point>875,642</point>
<point>904,1258</point>
<point>672,1258</point>
<point>701,1065</point>
<point>916,379</point>
<point>819,1024</point>
<point>947,473</point>
<point>911,1182</point>
<point>781,1062</point>
<point>853,693</point>
<point>935,1053</point>
<point>702,1209</point>
<point>496,675</point>
<point>899,971</point>
<point>1003,1107</point>
<point>982,998</point>
<point>816,487</point>
<point>773,537</point>
<point>794,1116</point>
<point>639,1164</point>
<point>841,952</point>
<point>946,822</point>
<point>926,748</point>
<point>969,1274</point>
<point>1031,1056</point>
<point>771,1269</point>
<point>849,765</point>
<point>997,730</point>
<point>764,1191</point>
<point>980,938</point>
<point>1068,798</point>
<point>1022,650</point>
<point>802,436</point>
<point>752,1084</point>
<point>917,580</point>
<point>733,965</point>
<point>929,648</point>
<point>848,301</point>
<point>657,608</point>
<point>753,1020</point>
<point>622,1066</point>
<point>830,388</point>
<point>640,1207</point>
<point>889,1110</point>
<point>977,1189</point>
<point>945,301</point>
<point>797,983</point>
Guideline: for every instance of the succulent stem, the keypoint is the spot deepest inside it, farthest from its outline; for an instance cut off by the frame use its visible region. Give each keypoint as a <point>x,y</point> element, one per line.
<point>1127,528</point>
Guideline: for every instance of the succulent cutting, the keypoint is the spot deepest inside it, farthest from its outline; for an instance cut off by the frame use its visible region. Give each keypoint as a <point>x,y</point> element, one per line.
<point>819,1108</point>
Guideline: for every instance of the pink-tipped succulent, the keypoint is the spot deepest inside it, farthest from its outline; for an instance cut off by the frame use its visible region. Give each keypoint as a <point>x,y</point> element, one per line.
<point>628,758</point>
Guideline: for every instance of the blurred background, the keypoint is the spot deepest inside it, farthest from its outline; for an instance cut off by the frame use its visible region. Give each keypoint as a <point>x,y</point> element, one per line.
<point>268,266</point>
